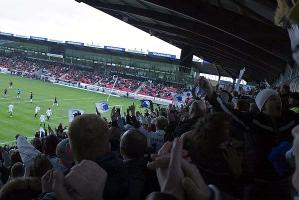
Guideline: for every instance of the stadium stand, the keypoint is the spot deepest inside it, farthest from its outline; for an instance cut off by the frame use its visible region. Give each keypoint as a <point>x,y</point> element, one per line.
<point>224,144</point>
<point>76,74</point>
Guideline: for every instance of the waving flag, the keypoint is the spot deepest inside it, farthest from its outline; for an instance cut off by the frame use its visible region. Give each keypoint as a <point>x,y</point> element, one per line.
<point>74,113</point>
<point>242,71</point>
<point>102,107</point>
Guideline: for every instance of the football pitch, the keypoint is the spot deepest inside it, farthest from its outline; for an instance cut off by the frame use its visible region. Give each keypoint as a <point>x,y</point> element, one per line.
<point>23,121</point>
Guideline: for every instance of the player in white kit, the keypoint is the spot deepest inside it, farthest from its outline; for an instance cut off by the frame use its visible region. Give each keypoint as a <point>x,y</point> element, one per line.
<point>49,113</point>
<point>10,110</point>
<point>37,109</point>
<point>42,120</point>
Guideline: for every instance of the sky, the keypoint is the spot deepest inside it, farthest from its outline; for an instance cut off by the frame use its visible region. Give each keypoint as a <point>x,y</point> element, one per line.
<point>68,20</point>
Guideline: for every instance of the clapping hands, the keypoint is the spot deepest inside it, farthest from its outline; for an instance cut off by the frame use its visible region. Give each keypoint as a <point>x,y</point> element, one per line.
<point>86,180</point>
<point>176,175</point>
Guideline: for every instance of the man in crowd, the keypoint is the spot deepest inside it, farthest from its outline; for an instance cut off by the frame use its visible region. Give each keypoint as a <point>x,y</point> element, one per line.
<point>89,139</point>
<point>156,139</point>
<point>133,147</point>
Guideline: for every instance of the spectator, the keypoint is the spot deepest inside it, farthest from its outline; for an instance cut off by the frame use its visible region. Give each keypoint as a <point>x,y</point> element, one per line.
<point>89,139</point>
<point>15,156</point>
<point>217,155</point>
<point>49,149</point>
<point>197,109</point>
<point>157,138</point>
<point>242,105</point>
<point>21,188</point>
<point>271,130</point>
<point>36,142</point>
<point>17,171</point>
<point>65,154</point>
<point>133,147</point>
<point>40,166</point>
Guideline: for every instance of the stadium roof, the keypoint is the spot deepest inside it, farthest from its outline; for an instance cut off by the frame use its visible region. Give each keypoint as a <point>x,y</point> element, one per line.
<point>231,33</point>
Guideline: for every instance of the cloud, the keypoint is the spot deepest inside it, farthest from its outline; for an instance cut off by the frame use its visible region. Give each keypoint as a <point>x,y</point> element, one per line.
<point>70,20</point>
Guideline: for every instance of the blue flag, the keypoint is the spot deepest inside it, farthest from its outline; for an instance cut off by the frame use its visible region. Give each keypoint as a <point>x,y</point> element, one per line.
<point>102,107</point>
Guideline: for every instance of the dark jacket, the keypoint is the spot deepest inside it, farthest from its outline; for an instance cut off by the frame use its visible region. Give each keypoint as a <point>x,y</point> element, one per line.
<point>285,102</point>
<point>142,180</point>
<point>117,184</point>
<point>266,136</point>
<point>185,127</point>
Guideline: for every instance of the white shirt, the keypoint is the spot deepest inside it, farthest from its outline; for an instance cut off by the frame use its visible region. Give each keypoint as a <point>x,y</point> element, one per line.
<point>10,108</point>
<point>49,112</point>
<point>41,132</point>
<point>156,139</point>
<point>42,118</point>
<point>37,109</point>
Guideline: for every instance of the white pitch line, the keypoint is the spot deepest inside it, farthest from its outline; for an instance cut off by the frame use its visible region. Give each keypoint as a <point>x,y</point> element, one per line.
<point>12,141</point>
<point>47,100</point>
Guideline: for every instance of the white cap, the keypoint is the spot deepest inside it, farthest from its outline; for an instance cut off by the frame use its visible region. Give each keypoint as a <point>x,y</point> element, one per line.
<point>263,96</point>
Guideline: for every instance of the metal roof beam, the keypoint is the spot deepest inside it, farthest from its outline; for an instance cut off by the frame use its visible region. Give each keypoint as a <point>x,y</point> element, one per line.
<point>217,34</point>
<point>238,26</point>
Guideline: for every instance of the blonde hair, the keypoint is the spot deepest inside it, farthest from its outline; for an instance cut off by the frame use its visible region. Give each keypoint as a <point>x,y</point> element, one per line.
<point>89,137</point>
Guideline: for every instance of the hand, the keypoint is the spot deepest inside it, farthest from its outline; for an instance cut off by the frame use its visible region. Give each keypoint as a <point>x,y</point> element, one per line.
<point>170,178</point>
<point>151,106</point>
<point>58,186</point>
<point>114,114</point>
<point>205,84</point>
<point>194,185</point>
<point>47,181</point>
<point>128,111</point>
<point>233,160</point>
<point>87,179</point>
<point>133,109</point>
<point>113,111</point>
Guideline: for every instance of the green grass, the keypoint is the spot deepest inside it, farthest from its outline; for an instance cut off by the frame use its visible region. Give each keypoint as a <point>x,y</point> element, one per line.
<point>23,121</point>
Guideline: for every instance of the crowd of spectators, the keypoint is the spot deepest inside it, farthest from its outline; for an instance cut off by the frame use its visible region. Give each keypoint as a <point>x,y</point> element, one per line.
<point>60,71</point>
<point>123,84</point>
<point>160,89</point>
<point>220,146</point>
<point>18,65</point>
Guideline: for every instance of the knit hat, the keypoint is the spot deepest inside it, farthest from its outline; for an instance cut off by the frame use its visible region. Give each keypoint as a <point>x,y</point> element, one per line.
<point>263,96</point>
<point>63,150</point>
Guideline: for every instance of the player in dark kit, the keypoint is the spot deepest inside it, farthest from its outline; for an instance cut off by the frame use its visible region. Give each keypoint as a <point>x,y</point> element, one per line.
<point>18,93</point>
<point>5,92</point>
<point>31,97</point>
<point>10,84</point>
<point>55,102</point>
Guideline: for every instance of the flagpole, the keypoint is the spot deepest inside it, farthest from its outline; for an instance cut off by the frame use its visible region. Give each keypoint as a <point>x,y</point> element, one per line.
<point>115,77</point>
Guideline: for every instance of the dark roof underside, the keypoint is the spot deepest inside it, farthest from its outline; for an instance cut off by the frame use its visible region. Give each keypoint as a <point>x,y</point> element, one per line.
<point>230,33</point>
